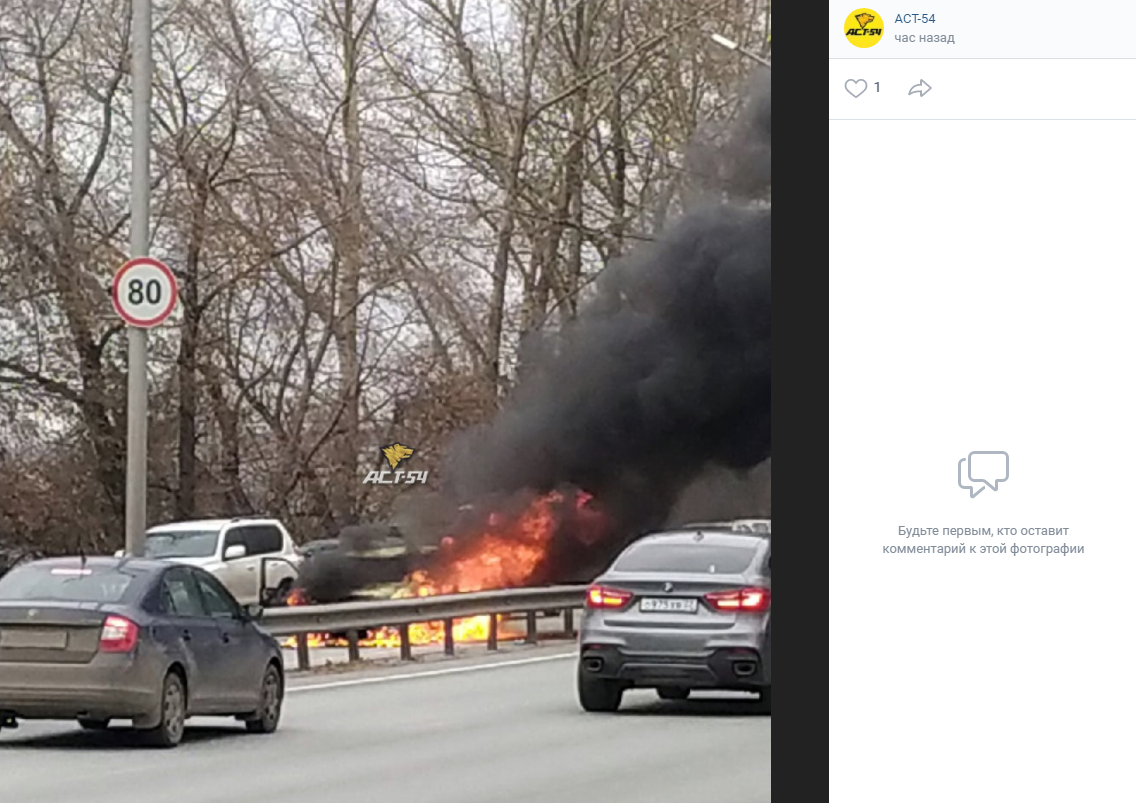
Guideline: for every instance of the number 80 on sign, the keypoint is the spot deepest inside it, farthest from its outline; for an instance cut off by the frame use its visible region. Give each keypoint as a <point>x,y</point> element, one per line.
<point>144,292</point>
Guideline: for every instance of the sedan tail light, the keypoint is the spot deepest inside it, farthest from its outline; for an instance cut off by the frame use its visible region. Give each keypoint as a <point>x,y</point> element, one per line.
<point>119,635</point>
<point>607,598</point>
<point>748,600</point>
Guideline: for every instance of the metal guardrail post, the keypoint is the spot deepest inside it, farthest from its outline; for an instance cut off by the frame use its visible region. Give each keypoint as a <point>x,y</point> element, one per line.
<point>303,654</point>
<point>491,644</point>
<point>404,642</point>
<point>530,627</point>
<point>449,636</point>
<point>569,622</point>
<point>352,645</point>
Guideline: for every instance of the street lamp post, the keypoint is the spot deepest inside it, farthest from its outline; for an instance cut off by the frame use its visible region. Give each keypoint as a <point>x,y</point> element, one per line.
<point>730,44</point>
<point>136,388</point>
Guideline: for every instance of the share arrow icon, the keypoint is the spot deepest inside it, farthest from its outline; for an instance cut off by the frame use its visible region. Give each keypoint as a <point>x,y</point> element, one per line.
<point>922,88</point>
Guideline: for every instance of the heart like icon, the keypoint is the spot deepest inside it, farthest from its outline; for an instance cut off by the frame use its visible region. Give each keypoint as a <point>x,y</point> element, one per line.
<point>856,87</point>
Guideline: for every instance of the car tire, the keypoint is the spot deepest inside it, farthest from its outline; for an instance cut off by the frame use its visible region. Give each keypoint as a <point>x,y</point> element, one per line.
<point>764,703</point>
<point>267,717</point>
<point>94,724</point>
<point>598,694</point>
<point>172,714</point>
<point>673,693</point>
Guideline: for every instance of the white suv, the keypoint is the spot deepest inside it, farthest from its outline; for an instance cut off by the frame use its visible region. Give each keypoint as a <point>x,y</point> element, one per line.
<point>255,559</point>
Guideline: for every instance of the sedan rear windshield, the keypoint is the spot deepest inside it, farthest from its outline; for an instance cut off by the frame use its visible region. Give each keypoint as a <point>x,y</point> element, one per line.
<point>181,543</point>
<point>686,558</point>
<point>65,584</point>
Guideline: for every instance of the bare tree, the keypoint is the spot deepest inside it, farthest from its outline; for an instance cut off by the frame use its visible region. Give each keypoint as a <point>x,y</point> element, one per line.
<point>64,67</point>
<point>369,206</point>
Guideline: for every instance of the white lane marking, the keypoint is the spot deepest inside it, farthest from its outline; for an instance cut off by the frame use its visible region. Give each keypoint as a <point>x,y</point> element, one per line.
<point>432,673</point>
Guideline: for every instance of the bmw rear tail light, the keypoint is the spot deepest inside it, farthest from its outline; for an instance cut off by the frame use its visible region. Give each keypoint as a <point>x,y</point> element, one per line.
<point>744,600</point>
<point>119,635</point>
<point>611,599</point>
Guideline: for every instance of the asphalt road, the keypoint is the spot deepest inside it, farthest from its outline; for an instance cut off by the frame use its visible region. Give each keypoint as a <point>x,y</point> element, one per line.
<point>483,730</point>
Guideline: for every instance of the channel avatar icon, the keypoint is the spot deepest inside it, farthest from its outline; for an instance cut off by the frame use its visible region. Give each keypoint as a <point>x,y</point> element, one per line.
<point>864,27</point>
<point>983,470</point>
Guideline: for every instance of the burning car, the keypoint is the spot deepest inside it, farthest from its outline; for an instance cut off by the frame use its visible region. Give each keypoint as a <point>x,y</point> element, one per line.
<point>512,547</point>
<point>362,563</point>
<point>320,546</point>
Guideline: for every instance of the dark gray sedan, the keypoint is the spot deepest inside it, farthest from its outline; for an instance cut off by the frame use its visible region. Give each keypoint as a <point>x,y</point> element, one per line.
<point>98,639</point>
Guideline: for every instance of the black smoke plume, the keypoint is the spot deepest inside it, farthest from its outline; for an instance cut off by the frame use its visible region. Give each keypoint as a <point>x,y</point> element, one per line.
<point>660,386</point>
<point>664,375</point>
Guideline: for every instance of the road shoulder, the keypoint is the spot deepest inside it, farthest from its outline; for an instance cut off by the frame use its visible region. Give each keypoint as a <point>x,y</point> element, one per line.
<point>469,659</point>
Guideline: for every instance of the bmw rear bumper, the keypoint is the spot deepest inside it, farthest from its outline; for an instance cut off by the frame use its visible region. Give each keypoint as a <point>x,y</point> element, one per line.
<point>731,668</point>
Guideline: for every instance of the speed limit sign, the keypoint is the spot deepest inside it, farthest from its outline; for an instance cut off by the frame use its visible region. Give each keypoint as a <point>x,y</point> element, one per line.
<point>144,292</point>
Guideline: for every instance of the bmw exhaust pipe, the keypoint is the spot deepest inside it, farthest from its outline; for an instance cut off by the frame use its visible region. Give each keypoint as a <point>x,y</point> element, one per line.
<point>593,664</point>
<point>745,669</point>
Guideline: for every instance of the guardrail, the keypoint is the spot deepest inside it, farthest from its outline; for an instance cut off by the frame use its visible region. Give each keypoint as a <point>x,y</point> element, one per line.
<point>352,617</point>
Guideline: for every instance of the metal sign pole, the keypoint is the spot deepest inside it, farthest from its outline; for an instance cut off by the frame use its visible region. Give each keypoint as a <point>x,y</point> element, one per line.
<point>136,389</point>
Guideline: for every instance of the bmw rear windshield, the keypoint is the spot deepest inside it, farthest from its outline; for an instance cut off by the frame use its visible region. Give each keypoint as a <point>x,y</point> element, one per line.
<point>65,584</point>
<point>686,558</point>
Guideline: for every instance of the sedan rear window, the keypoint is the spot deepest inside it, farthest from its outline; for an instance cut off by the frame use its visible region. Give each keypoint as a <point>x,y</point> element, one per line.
<point>686,558</point>
<point>65,584</point>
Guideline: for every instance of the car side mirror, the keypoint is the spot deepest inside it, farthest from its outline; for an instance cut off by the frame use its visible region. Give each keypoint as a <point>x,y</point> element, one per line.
<point>235,551</point>
<point>255,612</point>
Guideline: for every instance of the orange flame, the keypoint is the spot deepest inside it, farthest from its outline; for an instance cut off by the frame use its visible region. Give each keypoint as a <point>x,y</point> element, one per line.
<point>509,553</point>
<point>506,554</point>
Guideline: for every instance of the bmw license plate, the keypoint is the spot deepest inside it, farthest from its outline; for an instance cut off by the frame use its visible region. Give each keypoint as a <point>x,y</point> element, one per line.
<point>668,605</point>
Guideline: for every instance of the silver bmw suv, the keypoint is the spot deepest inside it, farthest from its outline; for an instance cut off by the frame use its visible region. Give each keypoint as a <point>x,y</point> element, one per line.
<point>681,610</point>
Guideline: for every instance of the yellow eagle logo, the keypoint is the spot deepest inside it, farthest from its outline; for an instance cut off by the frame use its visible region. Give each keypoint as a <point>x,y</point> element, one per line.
<point>396,453</point>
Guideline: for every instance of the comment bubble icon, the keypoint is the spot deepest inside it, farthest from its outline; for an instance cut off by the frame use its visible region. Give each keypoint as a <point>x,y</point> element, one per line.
<point>988,468</point>
<point>964,480</point>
